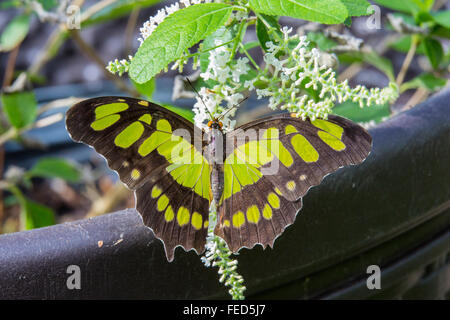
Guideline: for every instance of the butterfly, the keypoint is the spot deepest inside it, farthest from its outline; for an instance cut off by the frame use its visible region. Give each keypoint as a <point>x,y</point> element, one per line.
<point>256,175</point>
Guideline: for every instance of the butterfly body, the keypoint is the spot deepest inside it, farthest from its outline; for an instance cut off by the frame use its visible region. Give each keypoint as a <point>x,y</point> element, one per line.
<point>215,156</point>
<point>256,175</point>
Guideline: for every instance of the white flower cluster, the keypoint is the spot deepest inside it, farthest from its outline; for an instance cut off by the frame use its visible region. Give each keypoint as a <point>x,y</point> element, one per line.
<point>119,66</point>
<point>151,24</point>
<point>224,95</point>
<point>301,67</point>
<point>218,255</point>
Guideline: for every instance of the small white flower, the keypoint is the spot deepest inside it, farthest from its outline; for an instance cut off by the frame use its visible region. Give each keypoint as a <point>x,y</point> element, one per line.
<point>174,7</point>
<point>186,3</point>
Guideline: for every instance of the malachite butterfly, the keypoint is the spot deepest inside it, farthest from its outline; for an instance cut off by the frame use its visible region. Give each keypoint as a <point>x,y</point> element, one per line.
<point>256,174</point>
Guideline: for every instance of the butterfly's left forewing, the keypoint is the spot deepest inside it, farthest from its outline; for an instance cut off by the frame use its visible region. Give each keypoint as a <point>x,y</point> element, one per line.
<point>169,175</point>
<point>270,166</point>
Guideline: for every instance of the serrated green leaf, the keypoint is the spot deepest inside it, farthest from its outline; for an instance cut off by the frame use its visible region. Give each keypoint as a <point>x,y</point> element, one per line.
<point>55,168</point>
<point>442,18</point>
<point>356,8</point>
<point>14,33</point>
<point>20,108</point>
<point>434,51</point>
<point>37,215</point>
<point>425,80</point>
<point>327,12</point>
<point>174,35</point>
<point>351,110</point>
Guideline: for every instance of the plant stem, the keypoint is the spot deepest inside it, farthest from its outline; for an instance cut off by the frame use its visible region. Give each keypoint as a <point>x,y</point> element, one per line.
<point>238,38</point>
<point>95,8</point>
<point>249,57</point>
<point>21,198</point>
<point>418,96</point>
<point>407,62</point>
<point>90,53</point>
<point>129,30</point>
<point>10,65</point>
<point>2,166</point>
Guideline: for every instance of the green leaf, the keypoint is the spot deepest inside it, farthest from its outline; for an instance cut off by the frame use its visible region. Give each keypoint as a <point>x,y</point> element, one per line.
<point>10,201</point>
<point>356,8</point>
<point>117,9</point>
<point>178,32</point>
<point>10,3</point>
<point>321,40</point>
<point>37,215</point>
<point>348,22</point>
<point>423,17</point>
<point>441,32</point>
<point>372,58</point>
<point>55,168</point>
<point>399,5</point>
<point>442,18</point>
<point>404,43</point>
<point>147,88</point>
<point>185,113</point>
<point>425,80</point>
<point>424,5</point>
<point>20,108</point>
<point>328,12</point>
<point>351,110</point>
<point>48,4</point>
<point>14,33</point>
<point>265,32</point>
<point>434,51</point>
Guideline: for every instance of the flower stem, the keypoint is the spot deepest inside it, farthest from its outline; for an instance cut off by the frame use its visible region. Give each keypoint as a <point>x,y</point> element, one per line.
<point>249,57</point>
<point>407,62</point>
<point>238,38</point>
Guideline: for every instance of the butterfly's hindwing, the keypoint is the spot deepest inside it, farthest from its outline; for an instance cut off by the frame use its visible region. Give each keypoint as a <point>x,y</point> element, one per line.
<point>303,153</point>
<point>136,138</point>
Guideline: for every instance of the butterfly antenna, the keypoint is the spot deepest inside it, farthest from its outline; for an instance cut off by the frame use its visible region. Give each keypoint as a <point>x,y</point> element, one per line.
<point>201,99</point>
<point>236,105</point>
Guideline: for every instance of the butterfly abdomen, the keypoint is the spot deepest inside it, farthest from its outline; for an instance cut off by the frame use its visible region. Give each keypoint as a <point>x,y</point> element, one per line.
<point>216,162</point>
